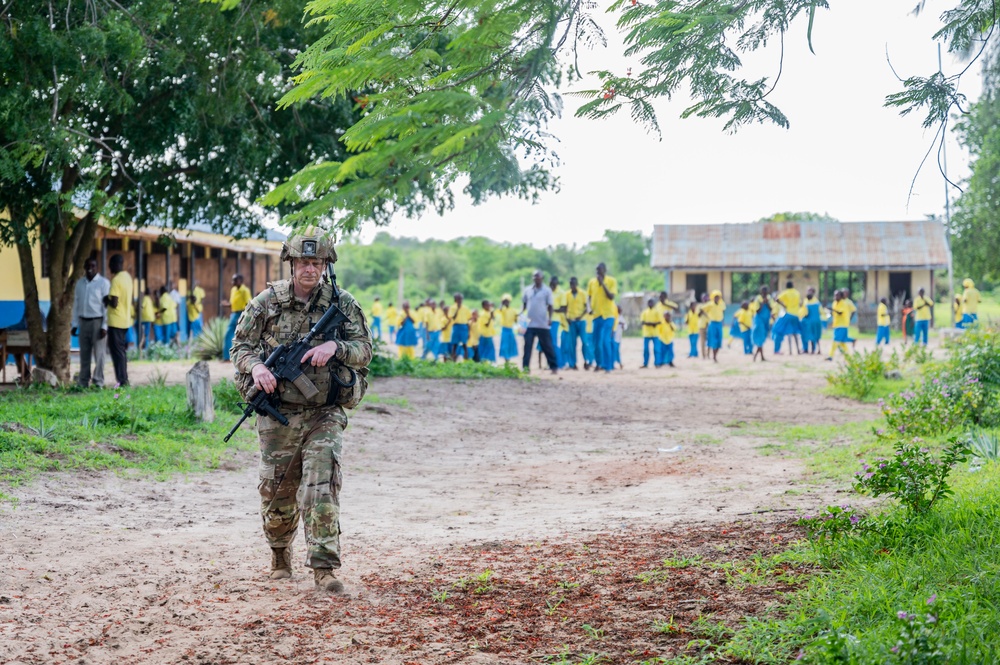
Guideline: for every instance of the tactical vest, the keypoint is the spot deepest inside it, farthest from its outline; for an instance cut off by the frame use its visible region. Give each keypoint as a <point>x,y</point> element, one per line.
<point>288,320</point>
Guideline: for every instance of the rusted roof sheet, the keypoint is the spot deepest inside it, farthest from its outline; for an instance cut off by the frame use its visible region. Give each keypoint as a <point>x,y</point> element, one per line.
<point>801,245</point>
<point>202,235</point>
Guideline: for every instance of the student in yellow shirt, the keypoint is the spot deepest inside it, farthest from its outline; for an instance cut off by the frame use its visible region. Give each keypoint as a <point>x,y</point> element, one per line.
<point>406,340</point>
<point>665,304</point>
<point>812,322</point>
<point>487,325</point>
<point>460,315</point>
<point>760,309</point>
<point>650,319</point>
<point>924,311</point>
<point>392,319</point>
<point>744,319</point>
<point>239,298</point>
<point>693,322</point>
<point>432,323</point>
<point>716,311</point>
<point>147,315</point>
<point>576,324</point>
<point>377,318</point>
<point>703,326</point>
<point>665,336</point>
<point>883,321</point>
<point>958,312</point>
<point>843,309</point>
<point>601,292</point>
<point>558,318</point>
<point>472,351</point>
<point>168,316</point>
<point>588,341</point>
<point>970,303</point>
<point>421,314</point>
<point>119,313</point>
<point>508,320</point>
<point>194,308</point>
<point>447,326</point>
<point>788,324</point>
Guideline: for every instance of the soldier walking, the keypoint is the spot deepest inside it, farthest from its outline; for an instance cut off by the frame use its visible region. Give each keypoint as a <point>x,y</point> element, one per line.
<point>300,468</point>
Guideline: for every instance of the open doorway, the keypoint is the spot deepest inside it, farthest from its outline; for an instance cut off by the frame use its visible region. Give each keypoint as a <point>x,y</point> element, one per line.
<point>697,282</point>
<point>900,284</point>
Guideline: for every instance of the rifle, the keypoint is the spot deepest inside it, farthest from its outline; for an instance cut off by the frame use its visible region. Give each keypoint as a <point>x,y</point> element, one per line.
<point>285,363</point>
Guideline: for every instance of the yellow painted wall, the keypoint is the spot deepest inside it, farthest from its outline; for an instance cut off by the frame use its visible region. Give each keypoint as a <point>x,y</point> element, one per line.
<point>11,287</point>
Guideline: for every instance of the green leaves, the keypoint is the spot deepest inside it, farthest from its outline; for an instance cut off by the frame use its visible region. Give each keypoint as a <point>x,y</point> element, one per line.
<point>446,91</point>
<point>453,91</point>
<point>936,93</point>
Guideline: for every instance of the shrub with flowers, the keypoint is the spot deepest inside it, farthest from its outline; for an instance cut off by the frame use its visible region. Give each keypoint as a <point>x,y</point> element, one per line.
<point>919,641</point>
<point>913,475</point>
<point>935,406</point>
<point>860,372</point>
<point>833,522</point>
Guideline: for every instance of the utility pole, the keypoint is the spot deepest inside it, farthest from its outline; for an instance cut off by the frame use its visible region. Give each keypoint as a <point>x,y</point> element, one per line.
<point>399,292</point>
<point>947,209</point>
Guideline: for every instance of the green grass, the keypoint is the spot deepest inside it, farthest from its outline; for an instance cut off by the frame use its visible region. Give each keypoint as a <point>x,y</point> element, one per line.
<point>146,429</point>
<point>394,401</point>
<point>866,580</point>
<point>883,388</point>
<point>830,452</point>
<point>383,365</point>
<point>989,309</point>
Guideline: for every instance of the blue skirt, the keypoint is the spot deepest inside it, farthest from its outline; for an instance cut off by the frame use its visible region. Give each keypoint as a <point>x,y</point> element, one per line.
<point>460,334</point>
<point>812,329</point>
<point>508,343</point>
<point>407,335</point>
<point>487,350</point>
<point>787,325</point>
<point>714,334</point>
<point>761,323</point>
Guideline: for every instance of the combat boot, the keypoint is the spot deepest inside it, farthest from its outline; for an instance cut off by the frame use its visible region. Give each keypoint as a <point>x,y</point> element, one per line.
<point>281,563</point>
<point>327,581</point>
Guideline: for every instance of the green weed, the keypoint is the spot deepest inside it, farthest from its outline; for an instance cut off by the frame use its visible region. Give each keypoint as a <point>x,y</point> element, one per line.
<point>90,429</point>
<point>383,365</point>
<point>830,452</point>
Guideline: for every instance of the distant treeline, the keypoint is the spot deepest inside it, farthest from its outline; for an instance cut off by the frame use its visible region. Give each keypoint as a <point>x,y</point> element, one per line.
<point>482,268</point>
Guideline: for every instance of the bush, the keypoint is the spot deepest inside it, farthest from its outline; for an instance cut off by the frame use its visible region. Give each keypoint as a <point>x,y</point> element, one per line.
<point>913,476</point>
<point>833,522</point>
<point>209,344</point>
<point>860,373</point>
<point>160,351</point>
<point>384,364</point>
<point>934,406</point>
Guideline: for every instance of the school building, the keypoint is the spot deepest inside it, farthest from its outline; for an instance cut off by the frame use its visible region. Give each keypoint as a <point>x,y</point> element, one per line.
<point>873,260</point>
<point>155,256</point>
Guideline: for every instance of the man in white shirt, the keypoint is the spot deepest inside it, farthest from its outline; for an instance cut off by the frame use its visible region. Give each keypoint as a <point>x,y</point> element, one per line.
<point>176,296</point>
<point>537,302</point>
<point>90,322</point>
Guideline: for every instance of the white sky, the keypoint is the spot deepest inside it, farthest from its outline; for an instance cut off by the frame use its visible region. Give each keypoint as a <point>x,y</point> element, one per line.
<point>844,155</point>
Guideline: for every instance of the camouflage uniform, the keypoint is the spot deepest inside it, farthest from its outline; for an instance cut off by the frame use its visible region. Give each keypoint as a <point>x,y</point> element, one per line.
<point>300,468</point>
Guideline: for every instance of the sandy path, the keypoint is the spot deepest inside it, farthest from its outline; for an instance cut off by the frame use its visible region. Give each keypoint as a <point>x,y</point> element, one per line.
<point>99,569</point>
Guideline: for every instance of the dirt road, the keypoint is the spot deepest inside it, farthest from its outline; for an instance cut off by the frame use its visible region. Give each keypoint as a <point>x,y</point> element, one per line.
<point>99,569</point>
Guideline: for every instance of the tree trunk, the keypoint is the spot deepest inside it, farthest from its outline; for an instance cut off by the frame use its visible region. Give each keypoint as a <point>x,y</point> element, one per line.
<point>67,245</point>
<point>199,392</point>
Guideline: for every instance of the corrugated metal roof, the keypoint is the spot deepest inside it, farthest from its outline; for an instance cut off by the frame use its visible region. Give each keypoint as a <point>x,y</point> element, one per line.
<point>800,245</point>
<point>197,233</point>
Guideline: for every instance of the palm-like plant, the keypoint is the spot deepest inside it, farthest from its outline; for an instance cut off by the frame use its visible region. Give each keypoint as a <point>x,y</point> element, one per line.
<point>209,344</point>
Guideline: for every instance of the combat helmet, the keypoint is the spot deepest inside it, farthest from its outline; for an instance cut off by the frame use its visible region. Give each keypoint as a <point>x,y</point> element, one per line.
<point>309,243</point>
